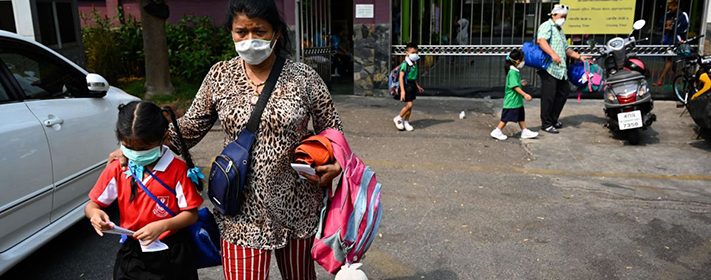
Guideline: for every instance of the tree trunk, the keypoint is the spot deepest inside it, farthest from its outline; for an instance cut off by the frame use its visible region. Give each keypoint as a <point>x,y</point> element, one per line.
<point>155,49</point>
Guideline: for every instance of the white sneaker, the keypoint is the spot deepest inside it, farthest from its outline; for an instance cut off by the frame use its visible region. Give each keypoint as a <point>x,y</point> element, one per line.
<point>528,134</point>
<point>398,123</point>
<point>408,127</point>
<point>496,133</point>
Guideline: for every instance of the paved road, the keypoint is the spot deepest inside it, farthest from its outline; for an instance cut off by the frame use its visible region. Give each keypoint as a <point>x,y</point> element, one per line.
<point>460,205</point>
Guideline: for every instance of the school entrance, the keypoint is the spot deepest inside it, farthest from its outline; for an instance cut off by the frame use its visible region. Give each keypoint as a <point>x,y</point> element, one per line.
<point>463,42</point>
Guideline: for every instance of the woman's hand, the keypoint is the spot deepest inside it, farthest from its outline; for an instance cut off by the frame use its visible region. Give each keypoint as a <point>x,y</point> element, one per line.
<point>100,221</point>
<point>150,232</point>
<point>117,155</point>
<point>556,58</point>
<point>420,90</point>
<point>324,174</point>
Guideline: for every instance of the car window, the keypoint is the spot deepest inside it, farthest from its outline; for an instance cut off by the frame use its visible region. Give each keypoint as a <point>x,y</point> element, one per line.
<point>42,77</point>
<point>4,96</point>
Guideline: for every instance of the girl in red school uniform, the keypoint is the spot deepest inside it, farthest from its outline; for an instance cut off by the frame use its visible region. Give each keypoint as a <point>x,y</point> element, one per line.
<point>153,170</point>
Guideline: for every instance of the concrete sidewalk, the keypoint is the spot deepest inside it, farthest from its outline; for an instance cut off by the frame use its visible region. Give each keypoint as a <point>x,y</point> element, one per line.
<point>577,205</point>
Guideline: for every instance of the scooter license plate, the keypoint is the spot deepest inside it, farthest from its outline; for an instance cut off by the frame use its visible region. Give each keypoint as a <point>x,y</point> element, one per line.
<point>629,120</point>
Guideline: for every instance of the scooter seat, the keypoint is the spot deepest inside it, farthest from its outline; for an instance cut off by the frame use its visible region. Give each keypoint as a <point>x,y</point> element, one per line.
<point>624,76</point>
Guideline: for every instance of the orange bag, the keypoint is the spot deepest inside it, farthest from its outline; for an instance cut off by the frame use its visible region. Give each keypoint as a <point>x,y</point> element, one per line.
<point>315,151</point>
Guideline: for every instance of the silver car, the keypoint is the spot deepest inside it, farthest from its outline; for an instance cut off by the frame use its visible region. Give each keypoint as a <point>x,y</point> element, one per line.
<point>56,128</point>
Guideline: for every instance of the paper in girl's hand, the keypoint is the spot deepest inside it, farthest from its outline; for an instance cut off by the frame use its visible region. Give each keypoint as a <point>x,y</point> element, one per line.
<point>305,168</point>
<point>155,246</point>
<point>118,230</point>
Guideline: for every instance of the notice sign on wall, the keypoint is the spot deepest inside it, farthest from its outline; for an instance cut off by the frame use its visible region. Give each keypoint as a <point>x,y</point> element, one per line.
<point>599,16</point>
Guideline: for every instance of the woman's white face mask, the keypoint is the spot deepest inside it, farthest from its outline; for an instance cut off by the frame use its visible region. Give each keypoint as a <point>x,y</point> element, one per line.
<point>560,22</point>
<point>255,51</point>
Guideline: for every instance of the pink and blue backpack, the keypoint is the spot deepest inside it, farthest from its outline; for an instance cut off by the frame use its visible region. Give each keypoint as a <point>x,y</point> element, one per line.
<point>587,76</point>
<point>351,213</point>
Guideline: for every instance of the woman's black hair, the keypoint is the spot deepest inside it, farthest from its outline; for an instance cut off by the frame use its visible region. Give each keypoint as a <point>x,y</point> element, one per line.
<point>266,10</point>
<point>145,121</point>
<point>512,58</point>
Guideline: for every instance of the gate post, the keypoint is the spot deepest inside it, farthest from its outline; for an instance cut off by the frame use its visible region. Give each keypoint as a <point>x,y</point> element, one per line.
<point>371,46</point>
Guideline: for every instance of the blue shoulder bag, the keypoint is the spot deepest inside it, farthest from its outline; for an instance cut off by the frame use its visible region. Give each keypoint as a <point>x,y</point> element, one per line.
<point>204,233</point>
<point>228,175</point>
<point>534,56</point>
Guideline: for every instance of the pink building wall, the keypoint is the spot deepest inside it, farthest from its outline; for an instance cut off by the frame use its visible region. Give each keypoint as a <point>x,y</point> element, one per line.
<point>214,9</point>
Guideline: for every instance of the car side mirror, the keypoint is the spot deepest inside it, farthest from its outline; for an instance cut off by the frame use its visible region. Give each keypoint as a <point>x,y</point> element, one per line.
<point>97,84</point>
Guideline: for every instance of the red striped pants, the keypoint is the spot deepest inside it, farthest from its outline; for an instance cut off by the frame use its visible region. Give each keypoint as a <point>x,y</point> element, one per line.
<point>294,261</point>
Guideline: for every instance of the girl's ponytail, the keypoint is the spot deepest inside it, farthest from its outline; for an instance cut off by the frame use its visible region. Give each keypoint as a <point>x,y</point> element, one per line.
<point>184,148</point>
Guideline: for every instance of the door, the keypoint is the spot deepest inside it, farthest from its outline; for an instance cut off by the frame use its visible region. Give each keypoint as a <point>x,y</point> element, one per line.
<point>79,129</point>
<point>314,36</point>
<point>25,169</point>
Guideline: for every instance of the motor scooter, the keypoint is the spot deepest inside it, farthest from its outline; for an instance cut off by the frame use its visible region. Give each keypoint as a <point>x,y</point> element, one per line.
<point>628,102</point>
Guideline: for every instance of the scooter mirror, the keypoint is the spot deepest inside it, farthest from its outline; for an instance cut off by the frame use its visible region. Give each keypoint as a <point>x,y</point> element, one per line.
<point>591,43</point>
<point>639,24</point>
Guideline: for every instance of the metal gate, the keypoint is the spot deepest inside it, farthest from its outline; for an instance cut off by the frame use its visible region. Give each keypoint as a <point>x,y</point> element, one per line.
<point>466,57</point>
<point>313,36</point>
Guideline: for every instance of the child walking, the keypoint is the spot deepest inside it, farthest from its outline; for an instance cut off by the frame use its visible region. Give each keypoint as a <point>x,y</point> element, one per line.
<point>513,98</point>
<point>408,87</point>
<point>152,168</point>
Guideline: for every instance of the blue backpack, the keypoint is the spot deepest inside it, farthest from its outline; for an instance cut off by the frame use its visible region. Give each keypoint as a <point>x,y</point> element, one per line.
<point>587,76</point>
<point>394,80</point>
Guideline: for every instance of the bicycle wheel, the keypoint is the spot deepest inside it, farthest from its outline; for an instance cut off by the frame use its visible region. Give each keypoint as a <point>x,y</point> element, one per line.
<point>681,88</point>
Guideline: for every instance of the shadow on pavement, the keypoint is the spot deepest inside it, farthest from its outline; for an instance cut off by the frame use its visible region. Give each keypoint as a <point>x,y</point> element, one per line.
<point>646,137</point>
<point>425,123</point>
<point>577,120</point>
<point>437,274</point>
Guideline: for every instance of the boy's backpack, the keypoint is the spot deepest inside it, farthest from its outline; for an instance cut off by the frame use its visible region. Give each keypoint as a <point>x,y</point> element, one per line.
<point>394,80</point>
<point>351,213</point>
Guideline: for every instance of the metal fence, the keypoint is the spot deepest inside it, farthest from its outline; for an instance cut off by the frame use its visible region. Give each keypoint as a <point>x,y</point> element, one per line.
<point>313,37</point>
<point>466,57</point>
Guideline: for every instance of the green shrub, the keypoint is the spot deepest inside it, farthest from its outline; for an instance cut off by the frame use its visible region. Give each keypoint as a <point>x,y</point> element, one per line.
<point>113,52</point>
<point>194,45</point>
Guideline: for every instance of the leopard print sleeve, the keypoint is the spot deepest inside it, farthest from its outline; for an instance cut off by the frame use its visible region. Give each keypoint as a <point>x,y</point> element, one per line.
<point>201,115</point>
<point>322,111</point>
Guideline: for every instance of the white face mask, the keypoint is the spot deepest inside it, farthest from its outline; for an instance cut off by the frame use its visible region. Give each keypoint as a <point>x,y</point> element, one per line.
<point>521,64</point>
<point>560,22</point>
<point>413,57</point>
<point>254,51</point>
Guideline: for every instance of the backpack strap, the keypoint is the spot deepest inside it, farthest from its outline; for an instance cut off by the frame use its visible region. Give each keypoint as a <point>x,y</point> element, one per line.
<point>407,70</point>
<point>370,226</point>
<point>359,207</point>
<point>150,194</point>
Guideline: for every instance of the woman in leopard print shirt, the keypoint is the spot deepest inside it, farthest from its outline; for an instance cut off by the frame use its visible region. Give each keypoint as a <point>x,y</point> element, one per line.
<point>280,212</point>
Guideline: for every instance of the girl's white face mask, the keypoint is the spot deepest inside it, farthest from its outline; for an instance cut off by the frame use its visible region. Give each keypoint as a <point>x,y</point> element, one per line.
<point>254,51</point>
<point>413,57</point>
<point>521,64</point>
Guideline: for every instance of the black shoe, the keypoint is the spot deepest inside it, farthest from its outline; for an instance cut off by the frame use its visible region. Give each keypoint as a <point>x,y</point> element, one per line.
<point>558,125</point>
<point>551,129</point>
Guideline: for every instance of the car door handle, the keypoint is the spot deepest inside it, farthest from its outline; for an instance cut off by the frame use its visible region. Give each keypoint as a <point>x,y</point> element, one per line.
<point>52,121</point>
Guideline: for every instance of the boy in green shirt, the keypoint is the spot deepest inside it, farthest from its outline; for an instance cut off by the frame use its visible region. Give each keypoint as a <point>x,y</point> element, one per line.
<point>408,87</point>
<point>513,99</point>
